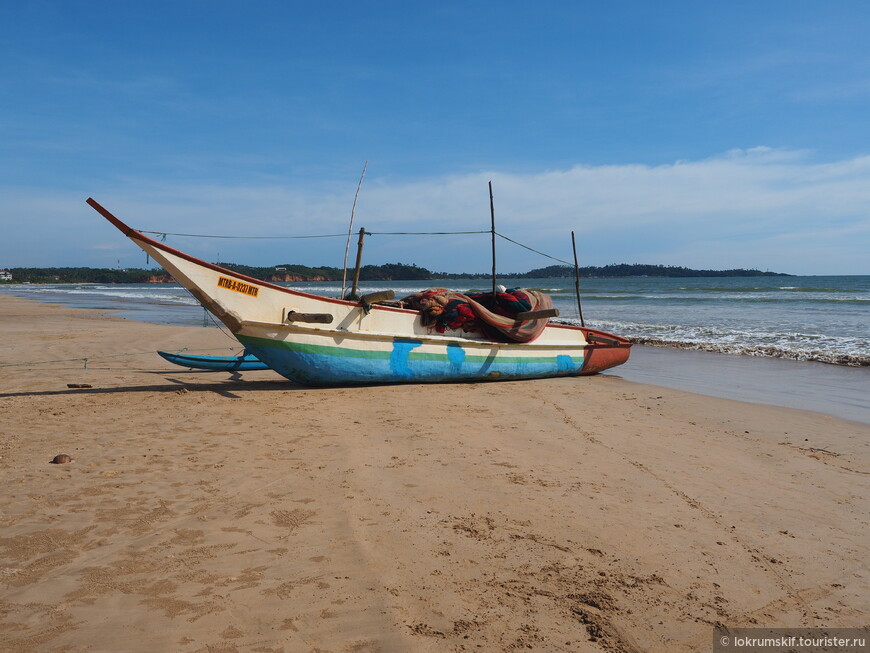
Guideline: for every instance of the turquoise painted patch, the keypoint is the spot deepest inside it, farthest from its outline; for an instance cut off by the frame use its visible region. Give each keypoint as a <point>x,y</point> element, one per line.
<point>399,356</point>
<point>565,363</point>
<point>456,355</point>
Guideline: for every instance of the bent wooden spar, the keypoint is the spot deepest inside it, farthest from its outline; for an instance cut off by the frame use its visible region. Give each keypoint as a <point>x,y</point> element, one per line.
<point>353,343</point>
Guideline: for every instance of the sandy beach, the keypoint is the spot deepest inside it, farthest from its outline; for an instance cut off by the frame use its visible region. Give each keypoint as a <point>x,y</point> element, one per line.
<point>217,512</point>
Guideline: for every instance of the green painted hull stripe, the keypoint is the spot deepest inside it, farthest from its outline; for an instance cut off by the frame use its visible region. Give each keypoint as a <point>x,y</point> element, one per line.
<point>328,350</point>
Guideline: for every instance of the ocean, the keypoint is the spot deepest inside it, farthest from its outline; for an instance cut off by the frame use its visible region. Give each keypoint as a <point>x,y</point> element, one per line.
<point>819,325</point>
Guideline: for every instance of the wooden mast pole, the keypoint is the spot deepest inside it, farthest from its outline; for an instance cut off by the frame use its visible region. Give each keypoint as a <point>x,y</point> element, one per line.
<point>577,280</point>
<point>359,248</point>
<point>492,222</point>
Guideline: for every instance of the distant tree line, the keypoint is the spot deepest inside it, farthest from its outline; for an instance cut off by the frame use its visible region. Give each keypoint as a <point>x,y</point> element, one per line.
<point>83,275</point>
<point>640,270</point>
<point>386,272</point>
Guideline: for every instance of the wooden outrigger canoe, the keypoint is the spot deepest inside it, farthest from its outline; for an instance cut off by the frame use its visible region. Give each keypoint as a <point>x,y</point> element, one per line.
<point>323,341</point>
<point>243,363</point>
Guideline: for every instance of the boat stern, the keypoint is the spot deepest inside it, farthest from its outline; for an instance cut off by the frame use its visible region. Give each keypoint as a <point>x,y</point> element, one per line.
<point>604,351</point>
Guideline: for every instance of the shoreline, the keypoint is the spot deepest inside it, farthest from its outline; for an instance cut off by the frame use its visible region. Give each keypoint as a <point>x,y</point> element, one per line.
<point>810,385</point>
<point>212,511</point>
<point>816,319</point>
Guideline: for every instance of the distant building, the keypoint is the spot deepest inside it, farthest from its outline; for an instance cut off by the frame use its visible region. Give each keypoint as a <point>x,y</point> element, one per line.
<point>5,275</point>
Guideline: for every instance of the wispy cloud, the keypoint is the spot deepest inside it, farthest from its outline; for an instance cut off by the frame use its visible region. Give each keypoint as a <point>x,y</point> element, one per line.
<point>760,207</point>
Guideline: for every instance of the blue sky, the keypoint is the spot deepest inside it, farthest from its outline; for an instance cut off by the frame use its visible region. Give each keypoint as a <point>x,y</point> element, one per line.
<point>713,135</point>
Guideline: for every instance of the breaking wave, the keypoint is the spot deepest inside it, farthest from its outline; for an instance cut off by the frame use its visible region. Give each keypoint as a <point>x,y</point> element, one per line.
<point>766,351</point>
<point>849,351</point>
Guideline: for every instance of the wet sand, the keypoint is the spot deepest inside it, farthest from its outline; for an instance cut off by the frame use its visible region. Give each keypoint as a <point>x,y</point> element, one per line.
<point>218,512</point>
<point>836,390</point>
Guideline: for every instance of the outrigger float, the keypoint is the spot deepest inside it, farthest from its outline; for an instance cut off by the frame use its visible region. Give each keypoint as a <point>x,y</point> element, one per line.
<point>244,363</point>
<point>322,341</point>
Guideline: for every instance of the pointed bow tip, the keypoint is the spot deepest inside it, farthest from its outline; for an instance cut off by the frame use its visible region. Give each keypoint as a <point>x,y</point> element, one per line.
<point>125,229</point>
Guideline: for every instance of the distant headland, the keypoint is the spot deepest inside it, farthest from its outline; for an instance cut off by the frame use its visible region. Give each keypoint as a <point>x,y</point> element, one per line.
<point>386,272</point>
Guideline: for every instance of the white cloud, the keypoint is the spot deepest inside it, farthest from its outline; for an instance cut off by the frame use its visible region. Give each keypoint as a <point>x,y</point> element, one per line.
<point>759,207</point>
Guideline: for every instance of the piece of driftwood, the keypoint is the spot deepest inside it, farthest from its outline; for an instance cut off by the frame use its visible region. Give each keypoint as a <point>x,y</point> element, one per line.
<point>377,296</point>
<point>368,299</point>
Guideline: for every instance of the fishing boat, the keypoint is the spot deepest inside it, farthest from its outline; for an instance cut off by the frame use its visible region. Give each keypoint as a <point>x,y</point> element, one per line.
<point>324,341</point>
<point>244,363</point>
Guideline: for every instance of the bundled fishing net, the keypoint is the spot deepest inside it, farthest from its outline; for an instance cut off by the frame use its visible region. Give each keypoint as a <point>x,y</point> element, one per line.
<point>493,315</point>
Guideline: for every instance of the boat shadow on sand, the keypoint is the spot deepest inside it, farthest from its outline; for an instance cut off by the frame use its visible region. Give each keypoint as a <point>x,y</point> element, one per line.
<point>225,388</point>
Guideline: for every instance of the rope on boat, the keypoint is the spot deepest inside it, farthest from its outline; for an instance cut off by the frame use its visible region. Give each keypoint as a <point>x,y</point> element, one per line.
<point>208,314</point>
<point>424,233</point>
<point>532,250</point>
<point>219,325</point>
<point>164,234</point>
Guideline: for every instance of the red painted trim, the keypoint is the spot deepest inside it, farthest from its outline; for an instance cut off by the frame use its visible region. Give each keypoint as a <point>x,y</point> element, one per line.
<point>111,218</point>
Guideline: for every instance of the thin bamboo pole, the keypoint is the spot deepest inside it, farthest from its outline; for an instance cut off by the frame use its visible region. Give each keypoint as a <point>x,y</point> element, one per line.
<point>350,230</point>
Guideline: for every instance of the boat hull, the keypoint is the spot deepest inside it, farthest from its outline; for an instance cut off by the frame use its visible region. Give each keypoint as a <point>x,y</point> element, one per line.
<point>317,340</point>
<point>335,361</point>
